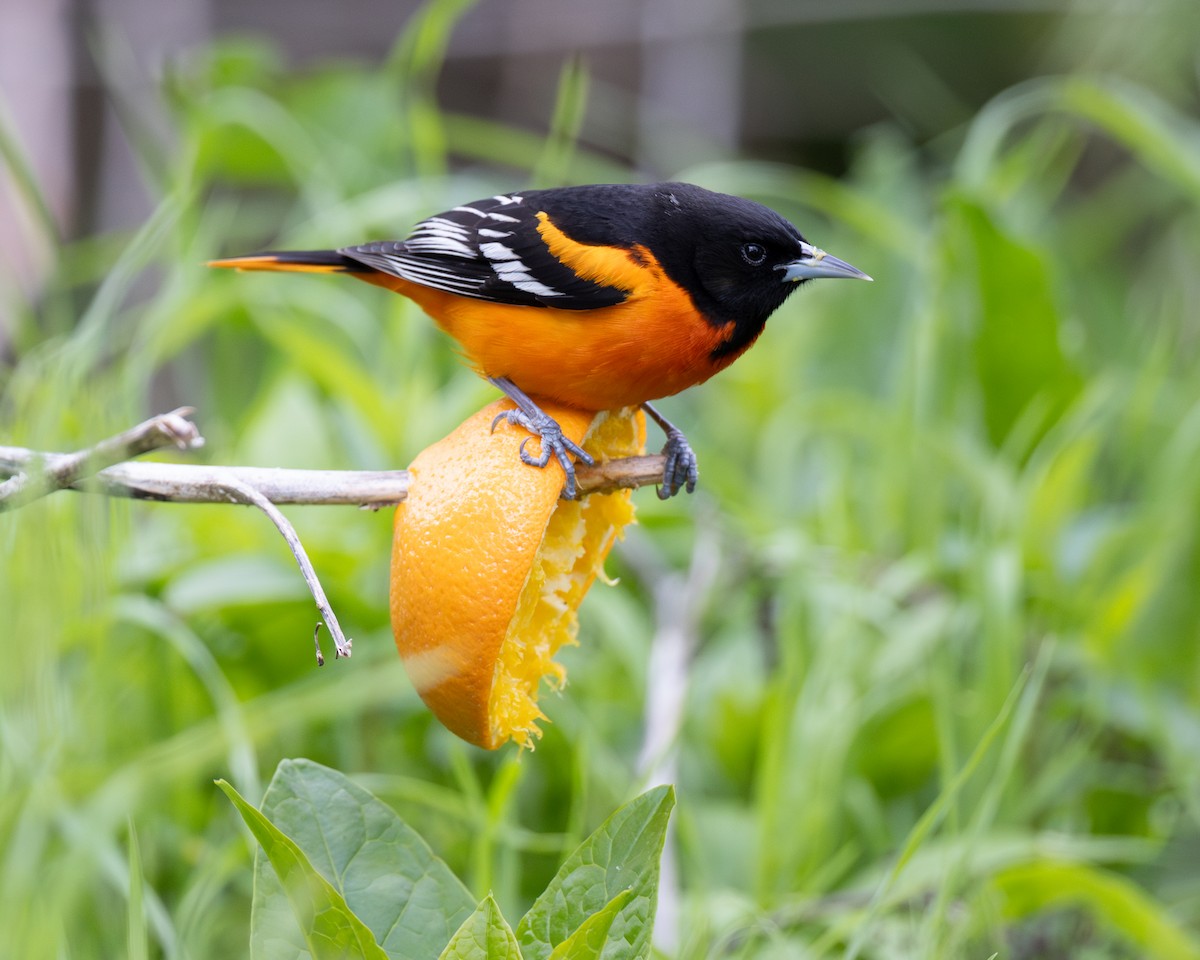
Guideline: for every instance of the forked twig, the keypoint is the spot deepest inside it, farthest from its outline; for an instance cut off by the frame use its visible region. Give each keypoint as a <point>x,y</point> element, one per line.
<point>244,493</point>
<point>42,473</point>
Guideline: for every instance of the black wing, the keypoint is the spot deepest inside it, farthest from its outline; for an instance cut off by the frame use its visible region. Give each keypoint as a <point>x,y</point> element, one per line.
<point>489,250</point>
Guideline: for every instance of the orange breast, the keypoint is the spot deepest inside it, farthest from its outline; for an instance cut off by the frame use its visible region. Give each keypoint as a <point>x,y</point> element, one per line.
<point>652,345</point>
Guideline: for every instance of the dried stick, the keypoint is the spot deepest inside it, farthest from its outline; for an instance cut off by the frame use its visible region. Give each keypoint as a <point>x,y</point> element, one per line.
<point>242,492</point>
<point>196,483</point>
<point>40,474</point>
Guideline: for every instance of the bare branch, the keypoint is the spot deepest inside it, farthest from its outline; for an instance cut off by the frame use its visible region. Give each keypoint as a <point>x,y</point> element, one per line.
<point>197,483</point>
<point>244,493</point>
<point>40,474</point>
<point>627,473</point>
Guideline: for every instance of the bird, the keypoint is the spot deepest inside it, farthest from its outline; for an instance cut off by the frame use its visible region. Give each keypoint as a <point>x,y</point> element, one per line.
<point>598,297</point>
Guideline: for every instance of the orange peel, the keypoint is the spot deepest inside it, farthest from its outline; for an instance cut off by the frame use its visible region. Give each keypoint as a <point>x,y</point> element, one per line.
<point>489,567</point>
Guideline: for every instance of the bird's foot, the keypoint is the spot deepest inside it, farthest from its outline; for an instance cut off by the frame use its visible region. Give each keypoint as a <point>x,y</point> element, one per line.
<point>539,423</point>
<point>680,470</point>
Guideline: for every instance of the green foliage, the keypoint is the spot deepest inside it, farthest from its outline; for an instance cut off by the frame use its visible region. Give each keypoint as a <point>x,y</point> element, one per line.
<point>408,898</point>
<point>618,864</point>
<point>345,877</point>
<point>331,929</point>
<point>1041,885</point>
<point>1019,358</point>
<point>483,936</point>
<point>942,700</point>
<point>590,939</point>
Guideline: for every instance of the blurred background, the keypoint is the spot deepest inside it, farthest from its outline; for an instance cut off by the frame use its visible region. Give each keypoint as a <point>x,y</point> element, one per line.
<point>923,653</point>
<point>672,81</point>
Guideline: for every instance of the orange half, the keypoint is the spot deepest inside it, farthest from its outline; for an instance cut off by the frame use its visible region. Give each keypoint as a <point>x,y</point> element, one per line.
<point>489,567</point>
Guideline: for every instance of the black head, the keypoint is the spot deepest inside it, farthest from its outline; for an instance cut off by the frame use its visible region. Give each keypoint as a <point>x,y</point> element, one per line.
<point>739,259</point>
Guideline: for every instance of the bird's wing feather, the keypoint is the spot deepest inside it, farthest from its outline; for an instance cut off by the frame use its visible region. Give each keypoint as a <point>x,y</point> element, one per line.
<point>488,250</point>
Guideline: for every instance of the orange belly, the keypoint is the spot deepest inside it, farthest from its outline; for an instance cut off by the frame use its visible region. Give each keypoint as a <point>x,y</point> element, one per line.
<point>594,359</point>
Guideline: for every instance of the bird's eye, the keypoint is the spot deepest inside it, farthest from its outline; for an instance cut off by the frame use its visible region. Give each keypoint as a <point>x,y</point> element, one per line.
<point>754,253</point>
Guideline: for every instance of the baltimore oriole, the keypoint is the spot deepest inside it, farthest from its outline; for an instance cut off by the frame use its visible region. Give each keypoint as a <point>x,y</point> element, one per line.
<point>598,296</point>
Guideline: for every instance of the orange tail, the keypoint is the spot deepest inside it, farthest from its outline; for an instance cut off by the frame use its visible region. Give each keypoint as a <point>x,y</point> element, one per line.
<point>303,261</point>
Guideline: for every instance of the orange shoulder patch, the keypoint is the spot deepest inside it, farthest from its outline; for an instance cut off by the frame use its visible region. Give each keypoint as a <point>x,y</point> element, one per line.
<point>634,270</point>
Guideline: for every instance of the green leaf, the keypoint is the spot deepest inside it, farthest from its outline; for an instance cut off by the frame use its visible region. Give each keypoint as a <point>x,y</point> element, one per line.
<point>1019,358</point>
<point>588,942</point>
<point>331,930</point>
<point>406,896</point>
<point>484,935</point>
<point>621,856</point>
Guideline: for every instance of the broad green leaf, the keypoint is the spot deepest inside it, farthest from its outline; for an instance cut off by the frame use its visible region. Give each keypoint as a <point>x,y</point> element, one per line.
<point>1018,356</point>
<point>1112,900</point>
<point>622,855</point>
<point>331,930</point>
<point>588,942</point>
<point>484,935</point>
<point>406,896</point>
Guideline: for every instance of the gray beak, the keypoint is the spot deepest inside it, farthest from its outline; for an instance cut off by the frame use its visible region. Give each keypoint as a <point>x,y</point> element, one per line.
<point>817,263</point>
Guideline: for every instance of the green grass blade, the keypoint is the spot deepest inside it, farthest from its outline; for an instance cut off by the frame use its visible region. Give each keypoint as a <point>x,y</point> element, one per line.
<point>137,938</point>
<point>930,819</point>
<point>414,64</point>
<point>570,108</point>
<point>1164,139</point>
<point>1111,900</point>
<point>23,177</point>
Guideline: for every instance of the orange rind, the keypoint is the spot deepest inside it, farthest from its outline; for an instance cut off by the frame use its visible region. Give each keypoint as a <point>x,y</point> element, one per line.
<point>489,567</point>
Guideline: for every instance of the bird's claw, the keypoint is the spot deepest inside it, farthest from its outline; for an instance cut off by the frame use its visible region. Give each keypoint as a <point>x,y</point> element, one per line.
<point>554,443</point>
<point>538,461</point>
<point>504,415</point>
<point>680,470</point>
